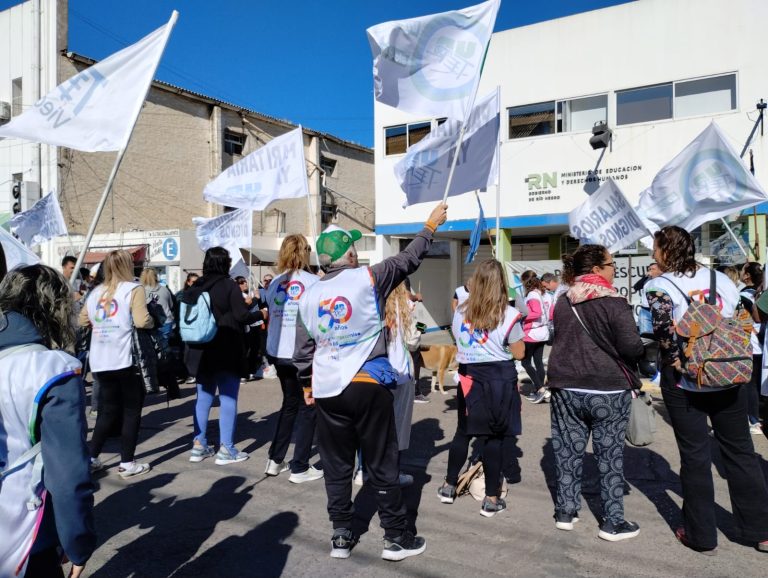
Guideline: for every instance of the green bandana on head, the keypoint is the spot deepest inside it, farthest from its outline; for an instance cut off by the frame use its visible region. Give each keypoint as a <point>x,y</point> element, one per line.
<point>335,241</point>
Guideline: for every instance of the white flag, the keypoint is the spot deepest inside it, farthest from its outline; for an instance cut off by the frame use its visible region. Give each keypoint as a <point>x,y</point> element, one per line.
<point>423,172</point>
<point>16,254</point>
<point>233,229</point>
<point>95,109</point>
<point>275,171</point>
<point>41,222</point>
<point>606,218</point>
<point>430,65</point>
<point>706,181</point>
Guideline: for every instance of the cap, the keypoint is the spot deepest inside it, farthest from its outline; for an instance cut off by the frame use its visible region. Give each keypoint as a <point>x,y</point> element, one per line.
<point>335,241</point>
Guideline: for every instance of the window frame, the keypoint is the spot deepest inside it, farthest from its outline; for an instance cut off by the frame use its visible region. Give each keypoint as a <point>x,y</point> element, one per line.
<point>228,133</point>
<point>17,99</point>
<point>559,106</point>
<point>433,124</point>
<point>708,77</point>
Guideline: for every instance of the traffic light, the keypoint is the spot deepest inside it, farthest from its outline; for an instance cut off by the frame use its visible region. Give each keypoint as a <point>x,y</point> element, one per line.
<point>16,191</point>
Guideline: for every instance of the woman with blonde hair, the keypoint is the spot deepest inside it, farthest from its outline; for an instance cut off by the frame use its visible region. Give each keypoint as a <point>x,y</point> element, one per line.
<point>113,309</point>
<point>283,296</point>
<point>489,338</point>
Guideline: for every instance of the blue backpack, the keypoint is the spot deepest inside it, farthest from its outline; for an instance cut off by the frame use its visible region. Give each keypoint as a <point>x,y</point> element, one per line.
<point>197,323</point>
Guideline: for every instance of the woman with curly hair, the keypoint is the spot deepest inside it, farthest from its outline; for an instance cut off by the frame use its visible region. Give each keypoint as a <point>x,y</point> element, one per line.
<point>536,329</point>
<point>690,406</point>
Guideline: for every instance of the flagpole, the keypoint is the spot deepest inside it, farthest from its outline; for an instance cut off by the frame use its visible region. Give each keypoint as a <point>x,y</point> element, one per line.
<point>498,176</point>
<point>487,230</point>
<point>120,155</point>
<point>312,228</point>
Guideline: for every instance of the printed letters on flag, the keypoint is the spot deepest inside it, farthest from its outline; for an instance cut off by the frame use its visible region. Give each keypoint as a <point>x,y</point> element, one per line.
<point>42,221</point>
<point>16,254</point>
<point>95,109</point>
<point>275,171</point>
<point>606,218</point>
<point>423,172</point>
<point>706,181</point>
<point>430,65</point>
<point>477,234</point>
<point>233,229</point>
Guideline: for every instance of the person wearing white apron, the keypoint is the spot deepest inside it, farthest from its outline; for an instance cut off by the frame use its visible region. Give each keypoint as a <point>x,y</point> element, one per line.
<point>341,357</point>
<point>46,493</point>
<point>283,297</point>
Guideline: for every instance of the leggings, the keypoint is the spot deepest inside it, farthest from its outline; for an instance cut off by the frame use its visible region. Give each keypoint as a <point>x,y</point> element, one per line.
<point>121,397</point>
<point>228,384</point>
<point>534,354</point>
<point>753,390</point>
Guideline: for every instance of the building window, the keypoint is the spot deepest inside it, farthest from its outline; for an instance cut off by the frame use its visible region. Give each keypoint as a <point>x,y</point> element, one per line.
<point>705,96</point>
<point>532,120</point>
<point>234,142</point>
<point>16,97</point>
<point>275,222</point>
<point>399,138</point>
<point>418,131</point>
<point>328,166</point>
<point>581,114</point>
<point>644,104</point>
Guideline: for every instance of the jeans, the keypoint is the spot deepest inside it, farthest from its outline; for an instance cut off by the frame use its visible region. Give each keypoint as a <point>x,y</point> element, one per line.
<point>574,416</point>
<point>120,399</point>
<point>228,385</point>
<point>727,411</point>
<point>534,355</point>
<point>294,413</point>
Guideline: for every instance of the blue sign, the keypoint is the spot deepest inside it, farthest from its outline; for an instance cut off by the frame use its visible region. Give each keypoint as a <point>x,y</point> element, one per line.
<point>170,249</point>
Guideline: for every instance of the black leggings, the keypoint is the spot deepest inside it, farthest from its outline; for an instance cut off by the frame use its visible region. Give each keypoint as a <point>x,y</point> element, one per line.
<point>120,398</point>
<point>534,355</point>
<point>753,389</point>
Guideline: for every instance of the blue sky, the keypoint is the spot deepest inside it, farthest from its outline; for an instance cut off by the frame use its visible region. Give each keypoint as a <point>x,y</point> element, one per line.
<point>305,61</point>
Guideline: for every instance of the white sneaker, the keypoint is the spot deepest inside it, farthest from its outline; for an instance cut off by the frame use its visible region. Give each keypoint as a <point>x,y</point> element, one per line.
<point>311,474</point>
<point>755,429</point>
<point>269,372</point>
<point>275,469</point>
<point>135,469</point>
<point>359,478</point>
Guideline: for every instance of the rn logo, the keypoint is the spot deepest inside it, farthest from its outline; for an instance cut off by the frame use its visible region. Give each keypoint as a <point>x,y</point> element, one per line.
<point>334,312</point>
<point>74,96</point>
<point>105,311</point>
<point>538,181</point>
<point>468,336</point>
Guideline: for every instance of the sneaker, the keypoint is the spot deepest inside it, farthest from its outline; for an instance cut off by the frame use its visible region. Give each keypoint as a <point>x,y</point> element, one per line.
<point>762,546</point>
<point>446,493</point>
<point>243,380</point>
<point>275,469</point>
<point>421,399</point>
<point>547,395</point>
<point>191,379</point>
<point>135,469</point>
<point>489,508</point>
<point>94,413</point>
<point>342,542</point>
<point>535,397</point>
<point>683,539</point>
<point>307,476</point>
<point>405,480</point>
<point>269,372</point>
<point>229,456</point>
<point>96,465</point>
<point>756,429</point>
<point>613,532</point>
<point>402,547</point>
<point>358,481</point>
<point>200,452</point>
<point>565,521</point>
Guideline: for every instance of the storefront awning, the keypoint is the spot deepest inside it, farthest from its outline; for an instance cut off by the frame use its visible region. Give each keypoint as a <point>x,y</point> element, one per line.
<point>138,252</point>
<point>260,256</point>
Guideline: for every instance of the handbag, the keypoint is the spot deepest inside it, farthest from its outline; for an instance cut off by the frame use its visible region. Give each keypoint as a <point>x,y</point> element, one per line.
<point>472,482</point>
<point>642,416</point>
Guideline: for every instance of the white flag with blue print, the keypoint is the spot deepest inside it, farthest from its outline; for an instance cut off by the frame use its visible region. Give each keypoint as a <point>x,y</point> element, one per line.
<point>706,181</point>
<point>41,222</point>
<point>430,65</point>
<point>16,254</point>
<point>232,229</point>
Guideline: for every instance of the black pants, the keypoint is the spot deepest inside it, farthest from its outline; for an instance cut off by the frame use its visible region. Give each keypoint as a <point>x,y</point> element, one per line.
<point>534,356</point>
<point>121,396</point>
<point>360,417</point>
<point>753,388</point>
<point>293,412</point>
<point>254,353</point>
<point>44,564</point>
<point>727,411</point>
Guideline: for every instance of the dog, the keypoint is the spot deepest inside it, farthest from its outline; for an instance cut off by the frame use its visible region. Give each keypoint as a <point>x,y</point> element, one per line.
<point>437,359</point>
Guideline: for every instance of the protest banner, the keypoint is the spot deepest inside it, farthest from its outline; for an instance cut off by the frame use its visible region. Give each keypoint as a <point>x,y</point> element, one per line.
<point>41,222</point>
<point>232,229</point>
<point>606,218</point>
<point>16,254</point>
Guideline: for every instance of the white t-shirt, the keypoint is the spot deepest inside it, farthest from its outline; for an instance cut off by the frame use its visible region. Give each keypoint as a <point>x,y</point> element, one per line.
<point>475,346</point>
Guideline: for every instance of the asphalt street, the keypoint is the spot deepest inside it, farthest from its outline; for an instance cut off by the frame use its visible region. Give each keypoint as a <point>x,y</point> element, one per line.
<point>185,519</point>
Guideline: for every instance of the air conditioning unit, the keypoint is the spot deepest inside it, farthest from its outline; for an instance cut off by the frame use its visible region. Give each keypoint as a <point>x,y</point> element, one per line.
<point>5,111</point>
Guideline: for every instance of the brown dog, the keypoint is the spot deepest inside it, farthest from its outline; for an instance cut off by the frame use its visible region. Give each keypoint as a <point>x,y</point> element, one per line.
<point>437,358</point>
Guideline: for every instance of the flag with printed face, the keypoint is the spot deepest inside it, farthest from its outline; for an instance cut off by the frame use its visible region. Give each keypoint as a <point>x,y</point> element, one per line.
<point>41,222</point>
<point>274,171</point>
<point>233,229</point>
<point>16,254</point>
<point>706,181</point>
<point>423,172</point>
<point>430,65</point>
<point>95,109</point>
<point>477,234</point>
<point>606,218</point>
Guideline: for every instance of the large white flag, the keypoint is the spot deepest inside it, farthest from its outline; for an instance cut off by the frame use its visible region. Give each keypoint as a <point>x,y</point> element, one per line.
<point>275,171</point>
<point>706,181</point>
<point>41,222</point>
<point>606,218</point>
<point>233,229</point>
<point>423,172</point>
<point>430,65</point>
<point>16,254</point>
<point>95,109</point>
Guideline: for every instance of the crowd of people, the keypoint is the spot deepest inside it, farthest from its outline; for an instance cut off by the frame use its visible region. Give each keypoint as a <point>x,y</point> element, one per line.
<point>341,339</point>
